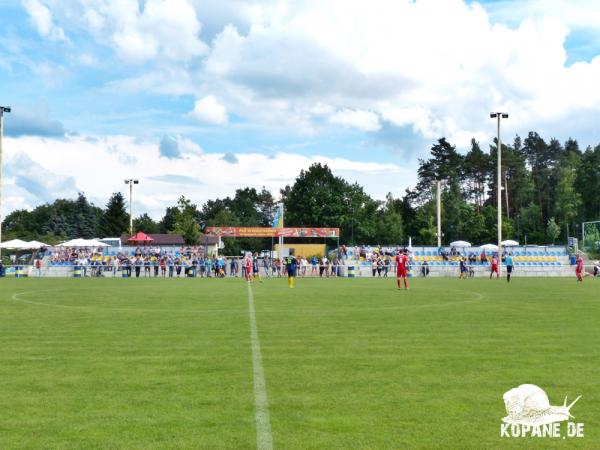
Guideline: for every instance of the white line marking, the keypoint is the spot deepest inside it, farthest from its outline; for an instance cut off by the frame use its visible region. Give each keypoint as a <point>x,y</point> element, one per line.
<point>17,297</point>
<point>264,439</point>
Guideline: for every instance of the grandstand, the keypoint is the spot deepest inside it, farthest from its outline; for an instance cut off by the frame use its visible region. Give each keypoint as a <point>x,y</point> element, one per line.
<point>542,261</point>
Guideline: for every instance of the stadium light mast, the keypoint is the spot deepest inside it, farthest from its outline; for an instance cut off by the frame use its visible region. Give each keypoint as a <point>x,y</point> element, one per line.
<point>131,182</point>
<point>3,109</point>
<point>439,212</point>
<point>499,116</point>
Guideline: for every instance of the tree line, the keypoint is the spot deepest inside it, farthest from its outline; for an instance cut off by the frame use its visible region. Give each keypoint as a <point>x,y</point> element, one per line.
<point>549,188</point>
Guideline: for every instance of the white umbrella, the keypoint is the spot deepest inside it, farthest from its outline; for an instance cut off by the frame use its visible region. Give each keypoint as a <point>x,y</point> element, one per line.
<point>460,244</point>
<point>491,247</point>
<point>15,244</point>
<point>71,243</point>
<point>83,243</point>
<point>35,245</point>
<point>509,243</point>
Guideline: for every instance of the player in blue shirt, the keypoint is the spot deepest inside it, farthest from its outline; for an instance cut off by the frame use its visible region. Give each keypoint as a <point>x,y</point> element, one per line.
<point>255,268</point>
<point>463,268</point>
<point>509,267</point>
<point>291,264</point>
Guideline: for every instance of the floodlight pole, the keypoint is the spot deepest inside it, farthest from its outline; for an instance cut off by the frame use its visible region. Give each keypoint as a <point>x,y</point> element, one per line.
<point>352,226</point>
<point>281,236</point>
<point>131,182</point>
<point>439,213</point>
<point>499,116</point>
<point>3,109</point>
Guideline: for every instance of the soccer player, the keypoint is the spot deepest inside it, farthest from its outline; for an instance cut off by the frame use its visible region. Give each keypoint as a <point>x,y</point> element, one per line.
<point>255,268</point>
<point>579,268</point>
<point>509,267</point>
<point>463,268</point>
<point>494,267</point>
<point>248,265</point>
<point>401,260</point>
<point>291,264</point>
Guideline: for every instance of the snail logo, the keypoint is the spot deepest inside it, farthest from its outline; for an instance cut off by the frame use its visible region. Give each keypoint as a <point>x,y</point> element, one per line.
<point>530,413</point>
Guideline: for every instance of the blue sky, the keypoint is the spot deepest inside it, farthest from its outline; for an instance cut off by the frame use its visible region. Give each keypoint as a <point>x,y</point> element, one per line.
<point>236,93</point>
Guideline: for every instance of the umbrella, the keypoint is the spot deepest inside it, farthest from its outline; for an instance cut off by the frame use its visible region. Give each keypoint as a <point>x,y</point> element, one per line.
<point>35,245</point>
<point>509,243</point>
<point>83,243</point>
<point>460,244</point>
<point>141,237</point>
<point>491,247</point>
<point>15,244</point>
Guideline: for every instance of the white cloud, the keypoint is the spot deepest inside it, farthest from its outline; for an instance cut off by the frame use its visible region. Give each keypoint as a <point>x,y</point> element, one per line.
<point>96,167</point>
<point>139,32</point>
<point>435,66</point>
<point>582,14</point>
<point>209,110</point>
<point>362,120</point>
<point>41,17</point>
<point>438,66</point>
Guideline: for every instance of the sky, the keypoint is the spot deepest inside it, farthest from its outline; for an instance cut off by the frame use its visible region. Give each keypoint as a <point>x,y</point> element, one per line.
<point>199,98</point>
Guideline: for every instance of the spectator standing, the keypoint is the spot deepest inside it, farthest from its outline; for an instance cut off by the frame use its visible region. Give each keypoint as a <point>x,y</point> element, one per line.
<point>38,266</point>
<point>386,267</point>
<point>425,269</point>
<point>314,262</point>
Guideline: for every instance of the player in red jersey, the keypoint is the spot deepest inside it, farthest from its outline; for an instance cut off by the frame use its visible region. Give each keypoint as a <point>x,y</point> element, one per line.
<point>248,264</point>
<point>401,261</point>
<point>579,268</point>
<point>494,267</point>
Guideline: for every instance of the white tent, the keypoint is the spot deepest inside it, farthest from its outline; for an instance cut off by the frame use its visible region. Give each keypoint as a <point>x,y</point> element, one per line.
<point>509,243</point>
<point>460,244</point>
<point>17,244</point>
<point>490,247</point>
<point>35,245</point>
<point>83,243</point>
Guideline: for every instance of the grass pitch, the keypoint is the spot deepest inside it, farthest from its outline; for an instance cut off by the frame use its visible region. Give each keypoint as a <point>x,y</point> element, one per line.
<point>153,363</point>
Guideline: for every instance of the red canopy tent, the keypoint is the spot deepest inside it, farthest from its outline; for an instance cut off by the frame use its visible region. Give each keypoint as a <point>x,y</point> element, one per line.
<point>140,238</point>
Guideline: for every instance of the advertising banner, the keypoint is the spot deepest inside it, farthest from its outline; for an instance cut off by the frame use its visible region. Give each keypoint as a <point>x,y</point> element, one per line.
<point>298,232</point>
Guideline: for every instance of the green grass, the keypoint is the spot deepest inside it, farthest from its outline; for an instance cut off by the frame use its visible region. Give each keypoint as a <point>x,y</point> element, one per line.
<point>142,364</point>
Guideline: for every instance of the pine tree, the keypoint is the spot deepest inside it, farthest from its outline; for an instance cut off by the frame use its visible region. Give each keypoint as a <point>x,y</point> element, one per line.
<point>115,219</point>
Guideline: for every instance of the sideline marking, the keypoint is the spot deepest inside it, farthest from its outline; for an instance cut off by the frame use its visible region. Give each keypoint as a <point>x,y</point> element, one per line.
<point>264,439</point>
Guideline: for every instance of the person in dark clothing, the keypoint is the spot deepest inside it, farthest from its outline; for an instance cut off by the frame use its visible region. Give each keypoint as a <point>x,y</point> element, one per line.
<point>138,266</point>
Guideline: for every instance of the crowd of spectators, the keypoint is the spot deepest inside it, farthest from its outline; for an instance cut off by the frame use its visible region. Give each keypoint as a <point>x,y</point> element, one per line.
<point>186,261</point>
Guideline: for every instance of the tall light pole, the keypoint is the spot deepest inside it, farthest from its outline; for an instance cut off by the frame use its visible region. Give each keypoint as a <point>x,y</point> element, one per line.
<point>499,116</point>
<point>439,212</point>
<point>3,109</point>
<point>352,209</point>
<point>131,182</point>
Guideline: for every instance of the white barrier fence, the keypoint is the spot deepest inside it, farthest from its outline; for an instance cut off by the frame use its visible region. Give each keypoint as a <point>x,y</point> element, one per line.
<point>342,270</point>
